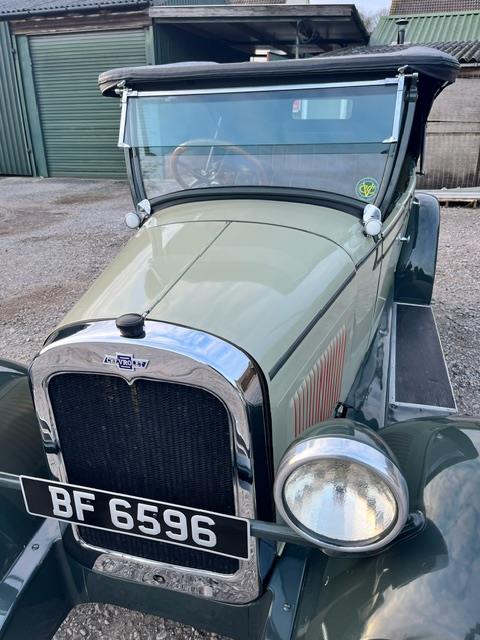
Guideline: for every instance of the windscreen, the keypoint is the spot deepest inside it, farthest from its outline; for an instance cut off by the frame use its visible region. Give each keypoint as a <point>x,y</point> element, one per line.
<point>334,139</point>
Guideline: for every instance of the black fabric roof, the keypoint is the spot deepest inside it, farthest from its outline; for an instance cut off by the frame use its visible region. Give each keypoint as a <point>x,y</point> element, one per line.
<point>12,8</point>
<point>367,63</point>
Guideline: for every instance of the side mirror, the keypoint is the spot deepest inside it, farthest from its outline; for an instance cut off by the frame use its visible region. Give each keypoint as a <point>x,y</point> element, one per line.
<point>372,220</point>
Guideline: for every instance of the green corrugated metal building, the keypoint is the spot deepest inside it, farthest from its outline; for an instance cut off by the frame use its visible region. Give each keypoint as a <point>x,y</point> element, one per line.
<point>77,125</point>
<point>433,27</point>
<point>14,146</point>
<point>53,121</point>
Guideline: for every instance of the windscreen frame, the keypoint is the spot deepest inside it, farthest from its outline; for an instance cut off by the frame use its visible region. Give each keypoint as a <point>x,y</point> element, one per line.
<point>138,189</point>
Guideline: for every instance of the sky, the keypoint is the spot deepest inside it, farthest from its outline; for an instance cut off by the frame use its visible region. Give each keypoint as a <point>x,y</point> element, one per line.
<point>368,6</point>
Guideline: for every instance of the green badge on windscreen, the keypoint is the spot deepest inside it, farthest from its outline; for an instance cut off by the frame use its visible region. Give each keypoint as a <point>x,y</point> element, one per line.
<point>366,188</point>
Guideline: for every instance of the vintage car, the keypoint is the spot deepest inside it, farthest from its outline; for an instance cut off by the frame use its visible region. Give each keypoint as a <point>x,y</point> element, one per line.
<point>247,424</point>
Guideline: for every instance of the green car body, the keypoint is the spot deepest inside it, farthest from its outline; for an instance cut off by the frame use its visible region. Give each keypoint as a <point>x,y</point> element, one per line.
<point>280,274</point>
<point>285,290</point>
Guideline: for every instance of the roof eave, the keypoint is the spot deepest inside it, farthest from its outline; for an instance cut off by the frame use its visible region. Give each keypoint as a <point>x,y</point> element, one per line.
<point>106,6</point>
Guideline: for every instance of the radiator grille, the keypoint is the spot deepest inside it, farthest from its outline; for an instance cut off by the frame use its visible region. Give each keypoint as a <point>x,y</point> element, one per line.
<point>152,439</point>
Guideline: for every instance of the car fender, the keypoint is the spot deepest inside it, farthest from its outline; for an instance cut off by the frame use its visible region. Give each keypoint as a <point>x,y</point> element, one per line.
<point>426,586</point>
<point>417,263</point>
<point>21,452</point>
<point>21,447</point>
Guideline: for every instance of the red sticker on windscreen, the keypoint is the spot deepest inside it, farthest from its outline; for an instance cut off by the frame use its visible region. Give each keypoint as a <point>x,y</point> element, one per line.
<point>296,106</point>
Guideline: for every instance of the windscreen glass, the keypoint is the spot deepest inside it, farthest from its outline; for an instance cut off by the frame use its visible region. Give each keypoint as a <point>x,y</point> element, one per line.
<point>333,139</point>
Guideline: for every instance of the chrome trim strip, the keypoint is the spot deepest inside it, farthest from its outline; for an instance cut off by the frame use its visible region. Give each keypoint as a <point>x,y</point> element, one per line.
<point>445,362</point>
<point>261,88</point>
<point>393,357</point>
<point>427,407</point>
<point>341,448</point>
<point>123,121</point>
<point>397,117</point>
<point>175,354</point>
<point>276,532</point>
<point>9,480</point>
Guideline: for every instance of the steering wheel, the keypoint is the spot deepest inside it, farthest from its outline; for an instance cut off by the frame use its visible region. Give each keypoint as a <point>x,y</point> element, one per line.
<point>212,168</point>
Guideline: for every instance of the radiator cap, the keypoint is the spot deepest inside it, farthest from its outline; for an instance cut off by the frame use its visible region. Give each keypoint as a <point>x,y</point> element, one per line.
<point>131,325</point>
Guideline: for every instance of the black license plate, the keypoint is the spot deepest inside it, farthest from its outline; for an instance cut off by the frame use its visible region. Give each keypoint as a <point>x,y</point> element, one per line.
<point>150,519</point>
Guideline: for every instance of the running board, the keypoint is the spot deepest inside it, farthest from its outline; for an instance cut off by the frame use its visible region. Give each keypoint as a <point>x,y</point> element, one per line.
<point>419,382</point>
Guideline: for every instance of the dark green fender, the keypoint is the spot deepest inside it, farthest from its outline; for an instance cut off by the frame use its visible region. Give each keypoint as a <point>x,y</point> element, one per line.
<point>21,452</point>
<point>424,587</point>
<point>417,263</point>
<point>21,448</point>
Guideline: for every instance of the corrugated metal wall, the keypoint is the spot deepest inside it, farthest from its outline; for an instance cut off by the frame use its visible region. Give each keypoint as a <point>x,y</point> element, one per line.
<point>80,127</point>
<point>14,159</point>
<point>441,27</point>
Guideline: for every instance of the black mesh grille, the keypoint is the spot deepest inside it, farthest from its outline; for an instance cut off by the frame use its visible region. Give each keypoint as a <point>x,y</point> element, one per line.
<point>151,439</point>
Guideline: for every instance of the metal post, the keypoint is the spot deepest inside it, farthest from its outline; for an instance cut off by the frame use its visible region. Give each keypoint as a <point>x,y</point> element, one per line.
<point>297,41</point>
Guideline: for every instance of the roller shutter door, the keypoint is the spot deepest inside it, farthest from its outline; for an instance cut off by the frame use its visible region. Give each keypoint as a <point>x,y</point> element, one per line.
<point>79,126</point>
<point>14,159</point>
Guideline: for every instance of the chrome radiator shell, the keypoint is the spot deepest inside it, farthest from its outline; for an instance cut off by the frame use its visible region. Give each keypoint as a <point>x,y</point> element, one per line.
<point>173,354</point>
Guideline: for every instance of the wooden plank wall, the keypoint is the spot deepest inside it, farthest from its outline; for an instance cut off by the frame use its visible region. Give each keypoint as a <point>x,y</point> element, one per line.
<point>452,156</point>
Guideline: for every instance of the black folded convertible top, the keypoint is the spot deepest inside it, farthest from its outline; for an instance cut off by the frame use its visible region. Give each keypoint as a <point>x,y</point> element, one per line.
<point>439,67</point>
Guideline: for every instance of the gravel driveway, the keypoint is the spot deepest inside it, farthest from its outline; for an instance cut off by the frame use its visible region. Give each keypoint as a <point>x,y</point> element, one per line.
<point>57,235</point>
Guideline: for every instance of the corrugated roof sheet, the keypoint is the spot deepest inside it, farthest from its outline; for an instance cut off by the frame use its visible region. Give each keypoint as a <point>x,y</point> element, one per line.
<point>463,26</point>
<point>11,8</point>
<point>464,52</point>
<point>182,3</point>
<point>433,6</point>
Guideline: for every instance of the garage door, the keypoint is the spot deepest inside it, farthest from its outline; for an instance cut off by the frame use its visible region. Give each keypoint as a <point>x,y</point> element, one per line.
<point>79,126</point>
<point>14,158</point>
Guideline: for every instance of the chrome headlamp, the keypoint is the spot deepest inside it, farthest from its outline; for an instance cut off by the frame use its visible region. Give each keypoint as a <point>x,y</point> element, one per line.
<point>342,492</point>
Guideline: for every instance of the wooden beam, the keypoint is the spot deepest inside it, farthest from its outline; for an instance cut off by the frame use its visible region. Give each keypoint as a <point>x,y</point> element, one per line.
<point>68,23</point>
<point>272,12</point>
<point>321,43</point>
